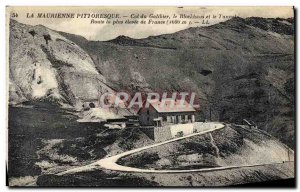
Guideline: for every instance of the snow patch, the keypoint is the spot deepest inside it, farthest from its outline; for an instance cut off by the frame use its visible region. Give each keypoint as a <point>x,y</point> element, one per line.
<point>44,81</point>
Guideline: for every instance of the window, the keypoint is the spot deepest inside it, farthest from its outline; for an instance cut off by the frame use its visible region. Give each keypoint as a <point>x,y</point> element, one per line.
<point>148,112</point>
<point>164,118</point>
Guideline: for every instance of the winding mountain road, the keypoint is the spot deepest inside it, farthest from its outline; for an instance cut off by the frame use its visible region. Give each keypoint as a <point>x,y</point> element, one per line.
<point>110,163</point>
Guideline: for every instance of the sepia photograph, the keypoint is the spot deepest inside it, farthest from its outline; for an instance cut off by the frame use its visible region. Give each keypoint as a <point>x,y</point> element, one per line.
<point>143,96</point>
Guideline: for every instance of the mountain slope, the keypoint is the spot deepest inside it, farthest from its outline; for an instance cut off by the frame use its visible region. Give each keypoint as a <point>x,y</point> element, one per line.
<point>241,68</point>
<point>45,65</point>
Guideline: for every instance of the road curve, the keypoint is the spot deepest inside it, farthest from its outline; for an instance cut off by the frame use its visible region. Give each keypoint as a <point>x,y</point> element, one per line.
<point>110,163</point>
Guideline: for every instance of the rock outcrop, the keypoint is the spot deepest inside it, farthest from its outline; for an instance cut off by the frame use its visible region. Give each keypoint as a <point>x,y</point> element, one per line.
<point>45,65</point>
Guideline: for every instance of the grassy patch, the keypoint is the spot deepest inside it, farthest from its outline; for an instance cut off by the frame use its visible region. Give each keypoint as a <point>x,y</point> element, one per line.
<point>34,123</point>
<point>140,160</point>
<point>228,141</point>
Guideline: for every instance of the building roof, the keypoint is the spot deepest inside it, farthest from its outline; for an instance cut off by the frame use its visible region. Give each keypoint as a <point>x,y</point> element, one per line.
<point>121,111</point>
<point>166,106</point>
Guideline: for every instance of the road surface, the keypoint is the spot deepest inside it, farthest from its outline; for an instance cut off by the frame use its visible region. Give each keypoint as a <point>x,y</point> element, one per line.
<point>110,162</point>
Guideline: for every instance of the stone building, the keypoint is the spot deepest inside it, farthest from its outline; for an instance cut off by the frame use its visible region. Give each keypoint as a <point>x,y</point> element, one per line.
<point>165,112</point>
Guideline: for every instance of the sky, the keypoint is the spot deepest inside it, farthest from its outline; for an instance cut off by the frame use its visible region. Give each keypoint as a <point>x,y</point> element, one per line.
<point>103,32</point>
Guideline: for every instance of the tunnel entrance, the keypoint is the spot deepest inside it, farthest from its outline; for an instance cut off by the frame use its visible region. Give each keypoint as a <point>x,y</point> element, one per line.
<point>92,105</point>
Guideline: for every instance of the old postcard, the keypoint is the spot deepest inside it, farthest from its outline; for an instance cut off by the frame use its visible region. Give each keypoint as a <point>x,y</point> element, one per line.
<point>150,96</point>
